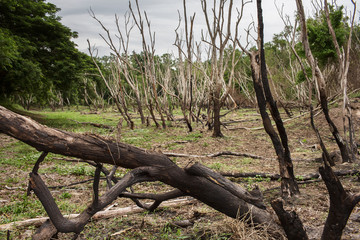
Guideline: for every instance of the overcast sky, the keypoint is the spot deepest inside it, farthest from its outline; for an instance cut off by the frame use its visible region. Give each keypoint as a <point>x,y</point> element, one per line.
<point>163,15</point>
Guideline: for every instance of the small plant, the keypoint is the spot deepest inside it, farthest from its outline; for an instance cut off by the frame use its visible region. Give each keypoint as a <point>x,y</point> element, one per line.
<point>216,166</point>
<point>65,195</point>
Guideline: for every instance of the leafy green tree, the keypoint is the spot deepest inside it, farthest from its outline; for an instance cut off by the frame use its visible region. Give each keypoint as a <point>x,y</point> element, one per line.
<point>320,40</point>
<point>37,54</point>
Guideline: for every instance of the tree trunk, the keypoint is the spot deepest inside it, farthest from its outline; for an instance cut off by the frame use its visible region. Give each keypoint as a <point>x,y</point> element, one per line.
<point>321,84</point>
<point>101,150</point>
<point>217,108</point>
<point>289,186</point>
<point>341,205</point>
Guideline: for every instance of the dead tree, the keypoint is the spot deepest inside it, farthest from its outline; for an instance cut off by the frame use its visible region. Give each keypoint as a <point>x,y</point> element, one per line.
<point>148,62</point>
<point>196,180</point>
<point>186,77</point>
<point>113,84</point>
<point>264,97</point>
<point>343,57</point>
<point>219,31</point>
<point>321,85</point>
<point>310,87</point>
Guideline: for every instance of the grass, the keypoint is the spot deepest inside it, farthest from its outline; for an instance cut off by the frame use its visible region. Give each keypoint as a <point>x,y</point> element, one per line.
<point>17,159</point>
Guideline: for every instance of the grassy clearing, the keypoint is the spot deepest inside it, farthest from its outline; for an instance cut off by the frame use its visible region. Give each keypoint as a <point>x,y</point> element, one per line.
<point>17,159</point>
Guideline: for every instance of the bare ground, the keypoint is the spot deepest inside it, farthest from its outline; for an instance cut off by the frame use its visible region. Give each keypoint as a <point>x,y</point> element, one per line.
<point>312,205</point>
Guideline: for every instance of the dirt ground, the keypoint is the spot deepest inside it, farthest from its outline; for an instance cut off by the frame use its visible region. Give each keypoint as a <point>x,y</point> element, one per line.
<point>243,134</point>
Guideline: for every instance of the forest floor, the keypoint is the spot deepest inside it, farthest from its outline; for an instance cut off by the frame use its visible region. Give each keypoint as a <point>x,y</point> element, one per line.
<point>243,134</point>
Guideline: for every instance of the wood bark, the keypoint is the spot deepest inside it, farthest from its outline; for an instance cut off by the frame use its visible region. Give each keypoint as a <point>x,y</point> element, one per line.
<point>289,186</point>
<point>344,63</point>
<point>290,221</point>
<point>100,150</point>
<point>320,84</point>
<point>99,215</point>
<point>341,205</point>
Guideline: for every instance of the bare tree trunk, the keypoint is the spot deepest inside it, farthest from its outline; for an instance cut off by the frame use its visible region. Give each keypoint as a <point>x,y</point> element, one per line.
<point>341,205</point>
<point>320,84</point>
<point>344,62</point>
<point>216,108</point>
<point>289,185</point>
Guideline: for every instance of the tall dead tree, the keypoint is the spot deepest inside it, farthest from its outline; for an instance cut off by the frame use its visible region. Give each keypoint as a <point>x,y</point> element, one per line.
<point>310,86</point>
<point>264,97</point>
<point>113,84</point>
<point>321,85</point>
<point>122,60</point>
<point>343,57</point>
<point>186,78</point>
<point>148,62</point>
<point>219,29</point>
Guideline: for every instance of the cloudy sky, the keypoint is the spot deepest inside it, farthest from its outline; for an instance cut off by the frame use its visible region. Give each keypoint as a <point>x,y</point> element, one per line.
<point>163,15</point>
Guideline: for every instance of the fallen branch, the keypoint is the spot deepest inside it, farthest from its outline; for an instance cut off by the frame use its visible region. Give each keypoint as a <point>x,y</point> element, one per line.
<point>102,150</point>
<point>218,154</point>
<point>158,198</point>
<point>99,215</point>
<point>284,121</point>
<point>276,177</point>
<point>98,125</point>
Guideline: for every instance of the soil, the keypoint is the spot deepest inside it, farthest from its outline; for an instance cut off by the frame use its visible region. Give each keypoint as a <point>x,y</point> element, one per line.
<point>243,136</point>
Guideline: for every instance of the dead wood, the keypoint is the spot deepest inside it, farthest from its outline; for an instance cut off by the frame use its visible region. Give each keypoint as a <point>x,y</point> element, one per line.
<point>99,215</point>
<point>264,98</point>
<point>275,177</point>
<point>101,150</point>
<point>321,84</point>
<point>291,222</point>
<point>341,205</point>
<point>77,224</point>
<point>240,121</point>
<point>158,198</point>
<point>200,170</point>
<point>98,125</point>
<point>218,154</point>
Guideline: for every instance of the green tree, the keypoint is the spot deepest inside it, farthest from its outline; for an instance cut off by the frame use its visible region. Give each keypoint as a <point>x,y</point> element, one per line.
<point>320,40</point>
<point>37,54</point>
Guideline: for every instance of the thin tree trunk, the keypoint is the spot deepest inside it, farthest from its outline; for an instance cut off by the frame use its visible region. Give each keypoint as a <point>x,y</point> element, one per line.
<point>321,84</point>
<point>288,184</point>
<point>216,111</point>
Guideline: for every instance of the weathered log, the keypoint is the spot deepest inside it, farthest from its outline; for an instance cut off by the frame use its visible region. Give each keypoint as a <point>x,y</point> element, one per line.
<point>98,216</point>
<point>101,150</point>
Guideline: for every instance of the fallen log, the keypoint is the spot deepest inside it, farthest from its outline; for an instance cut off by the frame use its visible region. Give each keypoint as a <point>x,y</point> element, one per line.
<point>102,150</point>
<point>98,216</point>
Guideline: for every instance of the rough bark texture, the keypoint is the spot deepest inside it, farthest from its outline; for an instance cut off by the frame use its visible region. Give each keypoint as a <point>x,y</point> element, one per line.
<point>289,186</point>
<point>341,205</point>
<point>291,222</point>
<point>91,147</point>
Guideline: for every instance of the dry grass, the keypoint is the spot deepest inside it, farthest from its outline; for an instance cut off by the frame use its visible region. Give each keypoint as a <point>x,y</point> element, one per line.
<point>311,206</point>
